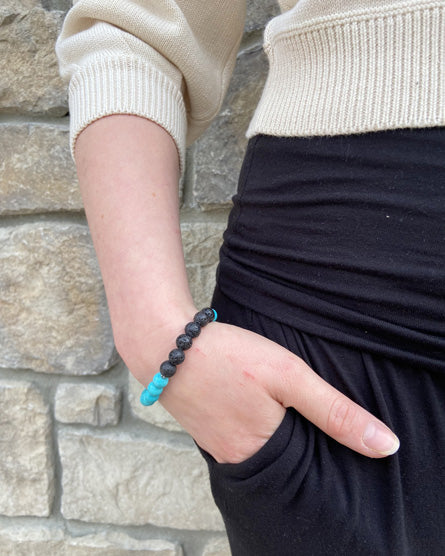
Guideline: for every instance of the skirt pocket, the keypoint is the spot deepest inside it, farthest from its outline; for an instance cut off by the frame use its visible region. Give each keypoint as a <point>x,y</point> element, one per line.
<point>272,482</point>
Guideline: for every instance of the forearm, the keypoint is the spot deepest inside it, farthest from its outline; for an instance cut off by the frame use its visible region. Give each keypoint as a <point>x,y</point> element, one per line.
<point>128,172</point>
<point>128,176</point>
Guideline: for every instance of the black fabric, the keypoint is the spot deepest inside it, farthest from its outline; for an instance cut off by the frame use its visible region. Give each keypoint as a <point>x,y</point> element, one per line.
<point>344,237</point>
<point>303,494</point>
<point>335,249</point>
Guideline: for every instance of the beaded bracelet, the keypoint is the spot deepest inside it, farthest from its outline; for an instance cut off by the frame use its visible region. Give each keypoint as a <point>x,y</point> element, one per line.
<point>183,342</point>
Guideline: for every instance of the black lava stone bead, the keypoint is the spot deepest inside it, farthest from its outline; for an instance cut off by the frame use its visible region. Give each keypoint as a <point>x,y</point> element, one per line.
<point>192,329</point>
<point>210,314</point>
<point>167,369</point>
<point>201,318</point>
<point>184,341</point>
<point>176,356</point>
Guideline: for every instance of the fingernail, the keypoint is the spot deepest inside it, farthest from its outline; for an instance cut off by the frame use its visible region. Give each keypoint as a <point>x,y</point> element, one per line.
<point>380,439</point>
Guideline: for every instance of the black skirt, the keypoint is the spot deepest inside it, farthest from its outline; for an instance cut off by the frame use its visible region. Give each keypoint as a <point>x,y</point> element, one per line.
<point>344,237</point>
<point>335,249</point>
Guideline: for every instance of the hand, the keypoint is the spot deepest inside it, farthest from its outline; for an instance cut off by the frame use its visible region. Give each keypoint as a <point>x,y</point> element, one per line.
<point>231,392</point>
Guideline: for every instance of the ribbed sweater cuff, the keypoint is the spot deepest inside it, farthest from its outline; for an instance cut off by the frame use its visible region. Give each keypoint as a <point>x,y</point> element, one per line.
<point>126,86</point>
<point>357,73</point>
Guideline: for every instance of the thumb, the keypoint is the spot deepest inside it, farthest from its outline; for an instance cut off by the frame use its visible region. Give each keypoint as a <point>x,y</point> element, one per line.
<point>333,412</point>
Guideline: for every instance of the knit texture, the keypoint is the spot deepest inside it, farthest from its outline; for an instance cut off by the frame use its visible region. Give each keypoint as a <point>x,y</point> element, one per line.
<point>364,71</point>
<point>335,68</point>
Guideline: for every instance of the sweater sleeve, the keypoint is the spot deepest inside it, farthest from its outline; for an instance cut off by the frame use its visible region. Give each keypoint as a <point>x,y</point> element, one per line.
<point>168,61</point>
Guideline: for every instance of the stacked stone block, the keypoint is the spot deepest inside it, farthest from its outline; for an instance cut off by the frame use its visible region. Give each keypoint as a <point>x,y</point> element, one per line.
<point>84,468</point>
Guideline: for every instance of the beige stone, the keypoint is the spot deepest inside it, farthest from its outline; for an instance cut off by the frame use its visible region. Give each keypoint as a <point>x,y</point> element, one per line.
<point>53,313</point>
<point>202,241</point>
<point>20,540</point>
<point>36,169</point>
<point>133,480</point>
<point>220,151</point>
<point>26,464</point>
<point>88,403</point>
<point>29,74</point>
<point>217,547</point>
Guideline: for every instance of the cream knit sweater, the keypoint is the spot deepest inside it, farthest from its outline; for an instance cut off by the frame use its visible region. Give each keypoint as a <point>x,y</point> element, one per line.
<point>335,67</point>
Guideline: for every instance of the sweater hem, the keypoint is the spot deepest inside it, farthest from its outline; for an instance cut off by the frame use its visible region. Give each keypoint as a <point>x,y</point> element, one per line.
<point>355,76</point>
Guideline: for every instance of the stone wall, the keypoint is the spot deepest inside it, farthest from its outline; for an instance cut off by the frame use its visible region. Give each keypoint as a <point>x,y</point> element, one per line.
<point>84,470</point>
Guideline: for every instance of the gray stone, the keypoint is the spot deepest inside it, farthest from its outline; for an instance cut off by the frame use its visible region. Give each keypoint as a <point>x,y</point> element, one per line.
<point>21,540</point>
<point>25,540</point>
<point>155,414</point>
<point>217,547</point>
<point>45,4</point>
<point>88,403</point>
<point>36,171</point>
<point>259,12</point>
<point>201,241</point>
<point>29,73</point>
<point>119,544</point>
<point>132,480</point>
<point>26,464</point>
<point>53,312</point>
<point>220,151</point>
<point>49,5</point>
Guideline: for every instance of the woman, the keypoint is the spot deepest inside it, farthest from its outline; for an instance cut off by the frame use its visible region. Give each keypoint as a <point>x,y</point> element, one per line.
<point>331,281</point>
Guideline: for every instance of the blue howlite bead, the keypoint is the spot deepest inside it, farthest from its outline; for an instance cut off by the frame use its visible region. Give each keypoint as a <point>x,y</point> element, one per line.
<point>159,380</point>
<point>147,399</point>
<point>154,390</point>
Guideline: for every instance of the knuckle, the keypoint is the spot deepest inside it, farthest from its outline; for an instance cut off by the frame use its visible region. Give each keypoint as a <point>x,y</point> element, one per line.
<point>341,418</point>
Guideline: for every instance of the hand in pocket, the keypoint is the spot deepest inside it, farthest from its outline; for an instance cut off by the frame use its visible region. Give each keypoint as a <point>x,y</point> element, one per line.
<point>233,388</point>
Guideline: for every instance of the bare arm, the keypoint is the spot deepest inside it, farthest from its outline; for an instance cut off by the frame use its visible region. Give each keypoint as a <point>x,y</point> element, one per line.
<point>128,173</point>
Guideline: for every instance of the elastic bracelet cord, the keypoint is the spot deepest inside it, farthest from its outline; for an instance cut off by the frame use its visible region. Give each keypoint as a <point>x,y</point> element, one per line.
<point>183,342</point>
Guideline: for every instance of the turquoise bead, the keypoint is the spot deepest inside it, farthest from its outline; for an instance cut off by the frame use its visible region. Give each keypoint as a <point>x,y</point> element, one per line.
<point>147,398</point>
<point>216,314</point>
<point>159,381</point>
<point>154,390</point>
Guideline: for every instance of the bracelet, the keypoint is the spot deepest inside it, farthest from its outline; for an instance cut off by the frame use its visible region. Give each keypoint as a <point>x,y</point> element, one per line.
<point>183,342</point>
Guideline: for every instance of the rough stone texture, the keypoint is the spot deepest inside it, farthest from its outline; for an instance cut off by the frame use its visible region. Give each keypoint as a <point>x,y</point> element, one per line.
<point>88,403</point>
<point>26,466</point>
<point>53,313</point>
<point>131,480</point>
<point>36,169</point>
<point>201,243</point>
<point>56,4</point>
<point>155,414</point>
<point>38,541</point>
<point>45,4</point>
<point>29,74</point>
<point>217,547</point>
<point>219,152</point>
<point>259,12</point>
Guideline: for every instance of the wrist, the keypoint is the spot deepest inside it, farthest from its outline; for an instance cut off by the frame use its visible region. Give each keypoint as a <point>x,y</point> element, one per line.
<point>145,335</point>
<point>184,342</point>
